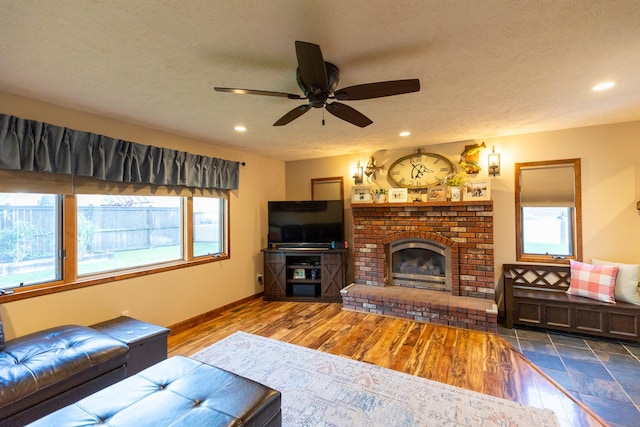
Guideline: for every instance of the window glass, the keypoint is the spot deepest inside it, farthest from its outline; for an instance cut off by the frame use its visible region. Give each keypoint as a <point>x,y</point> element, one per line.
<point>208,226</point>
<point>29,239</point>
<point>547,231</point>
<point>119,232</point>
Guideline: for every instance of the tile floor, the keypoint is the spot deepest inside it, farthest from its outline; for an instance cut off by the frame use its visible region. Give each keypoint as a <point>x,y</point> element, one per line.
<point>604,374</point>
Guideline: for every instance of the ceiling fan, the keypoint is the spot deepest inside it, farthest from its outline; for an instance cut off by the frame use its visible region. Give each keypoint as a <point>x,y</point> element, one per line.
<point>319,79</point>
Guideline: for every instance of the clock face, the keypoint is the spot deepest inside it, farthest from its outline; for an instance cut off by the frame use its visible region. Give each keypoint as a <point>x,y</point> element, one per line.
<point>420,170</point>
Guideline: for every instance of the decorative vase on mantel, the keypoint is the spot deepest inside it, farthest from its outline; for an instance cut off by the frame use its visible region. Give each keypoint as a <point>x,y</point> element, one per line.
<point>455,194</point>
<point>380,196</point>
<point>455,182</point>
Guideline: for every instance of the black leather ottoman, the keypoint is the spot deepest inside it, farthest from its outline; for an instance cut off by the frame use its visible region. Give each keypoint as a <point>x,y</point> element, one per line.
<point>175,392</point>
<point>47,370</point>
<point>147,343</point>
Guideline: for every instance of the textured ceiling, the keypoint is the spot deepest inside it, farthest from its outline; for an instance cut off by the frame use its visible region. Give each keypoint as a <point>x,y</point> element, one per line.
<point>487,68</point>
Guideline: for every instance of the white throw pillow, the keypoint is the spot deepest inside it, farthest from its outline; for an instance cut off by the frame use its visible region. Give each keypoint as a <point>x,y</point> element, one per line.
<point>626,281</point>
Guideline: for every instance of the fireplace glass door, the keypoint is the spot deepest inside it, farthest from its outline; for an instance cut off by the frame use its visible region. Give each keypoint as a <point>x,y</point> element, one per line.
<point>419,263</point>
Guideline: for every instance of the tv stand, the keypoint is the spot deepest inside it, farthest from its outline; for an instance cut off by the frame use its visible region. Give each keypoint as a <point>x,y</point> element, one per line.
<point>304,274</point>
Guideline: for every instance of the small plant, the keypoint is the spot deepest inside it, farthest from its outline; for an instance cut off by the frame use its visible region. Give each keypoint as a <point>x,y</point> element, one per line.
<point>16,241</point>
<point>458,179</point>
<point>86,228</point>
<point>379,195</point>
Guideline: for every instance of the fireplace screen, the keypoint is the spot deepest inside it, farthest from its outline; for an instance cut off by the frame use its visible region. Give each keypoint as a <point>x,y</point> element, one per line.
<point>420,264</point>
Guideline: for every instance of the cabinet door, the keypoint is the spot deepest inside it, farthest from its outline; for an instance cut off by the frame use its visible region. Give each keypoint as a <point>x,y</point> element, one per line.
<point>332,274</point>
<point>275,275</point>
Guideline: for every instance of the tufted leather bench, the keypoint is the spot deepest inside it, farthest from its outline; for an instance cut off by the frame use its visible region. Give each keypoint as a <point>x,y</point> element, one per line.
<point>175,392</point>
<point>47,370</point>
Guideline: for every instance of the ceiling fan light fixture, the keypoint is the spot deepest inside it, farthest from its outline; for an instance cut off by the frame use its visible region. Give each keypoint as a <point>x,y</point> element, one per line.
<point>405,133</point>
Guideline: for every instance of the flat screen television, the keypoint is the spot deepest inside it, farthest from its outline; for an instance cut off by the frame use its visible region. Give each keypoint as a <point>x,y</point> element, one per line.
<point>305,224</point>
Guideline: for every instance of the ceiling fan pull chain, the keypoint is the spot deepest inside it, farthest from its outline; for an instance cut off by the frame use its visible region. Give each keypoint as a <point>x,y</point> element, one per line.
<point>323,117</point>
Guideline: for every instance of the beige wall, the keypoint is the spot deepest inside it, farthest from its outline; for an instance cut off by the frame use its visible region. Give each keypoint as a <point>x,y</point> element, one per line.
<point>164,298</point>
<point>611,223</point>
<point>610,183</point>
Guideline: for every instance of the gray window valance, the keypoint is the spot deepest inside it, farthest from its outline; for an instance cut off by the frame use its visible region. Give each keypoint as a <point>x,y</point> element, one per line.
<point>28,145</point>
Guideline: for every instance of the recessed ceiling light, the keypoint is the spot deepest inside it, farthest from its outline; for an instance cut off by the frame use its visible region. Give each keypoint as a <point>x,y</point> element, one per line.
<point>405,133</point>
<point>240,128</point>
<point>603,86</point>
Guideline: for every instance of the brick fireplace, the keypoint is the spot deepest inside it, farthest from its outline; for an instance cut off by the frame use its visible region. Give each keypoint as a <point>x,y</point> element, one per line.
<point>461,296</point>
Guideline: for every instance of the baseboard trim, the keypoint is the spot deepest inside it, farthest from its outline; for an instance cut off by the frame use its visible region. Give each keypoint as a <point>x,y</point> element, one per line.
<point>201,318</point>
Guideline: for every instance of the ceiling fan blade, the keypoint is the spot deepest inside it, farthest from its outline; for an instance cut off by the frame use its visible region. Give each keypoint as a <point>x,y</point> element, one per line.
<point>349,114</point>
<point>311,65</point>
<point>292,115</point>
<point>378,90</point>
<point>258,92</point>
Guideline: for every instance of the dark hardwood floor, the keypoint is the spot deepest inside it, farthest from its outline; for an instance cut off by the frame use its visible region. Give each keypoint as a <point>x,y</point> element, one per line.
<point>476,361</point>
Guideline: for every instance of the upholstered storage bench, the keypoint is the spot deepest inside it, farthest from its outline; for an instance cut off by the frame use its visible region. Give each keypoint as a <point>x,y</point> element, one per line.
<point>535,295</point>
<point>147,343</point>
<point>46,370</point>
<point>178,391</point>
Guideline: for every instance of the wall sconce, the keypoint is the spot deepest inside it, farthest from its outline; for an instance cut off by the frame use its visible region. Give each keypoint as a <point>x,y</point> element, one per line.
<point>357,176</point>
<point>372,168</point>
<point>494,162</point>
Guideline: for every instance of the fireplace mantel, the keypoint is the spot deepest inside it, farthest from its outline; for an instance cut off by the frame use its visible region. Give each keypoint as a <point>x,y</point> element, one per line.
<point>422,204</point>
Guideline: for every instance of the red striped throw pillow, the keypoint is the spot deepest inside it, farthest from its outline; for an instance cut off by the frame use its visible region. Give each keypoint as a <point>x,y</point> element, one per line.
<point>593,281</point>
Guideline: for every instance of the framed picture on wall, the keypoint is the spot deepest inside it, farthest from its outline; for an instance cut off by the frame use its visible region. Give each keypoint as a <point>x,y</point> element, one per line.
<point>398,195</point>
<point>477,189</point>
<point>437,194</point>
<point>361,194</point>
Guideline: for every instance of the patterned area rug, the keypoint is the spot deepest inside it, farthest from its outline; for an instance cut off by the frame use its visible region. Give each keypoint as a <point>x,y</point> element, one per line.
<point>321,389</point>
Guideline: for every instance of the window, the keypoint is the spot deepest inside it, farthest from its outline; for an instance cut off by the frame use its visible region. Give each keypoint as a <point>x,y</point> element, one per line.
<point>548,211</point>
<point>115,234</point>
<point>209,223</point>
<point>118,232</point>
<point>547,231</point>
<point>29,239</point>
<point>111,209</point>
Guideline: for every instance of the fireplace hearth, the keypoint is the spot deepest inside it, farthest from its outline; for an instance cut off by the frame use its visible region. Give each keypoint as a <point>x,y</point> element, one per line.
<point>429,262</point>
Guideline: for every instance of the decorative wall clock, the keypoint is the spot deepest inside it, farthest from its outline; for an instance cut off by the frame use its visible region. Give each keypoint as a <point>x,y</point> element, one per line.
<point>420,170</point>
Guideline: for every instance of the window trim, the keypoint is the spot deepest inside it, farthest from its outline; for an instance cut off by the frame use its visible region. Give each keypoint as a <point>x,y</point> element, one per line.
<point>576,219</point>
<point>70,281</point>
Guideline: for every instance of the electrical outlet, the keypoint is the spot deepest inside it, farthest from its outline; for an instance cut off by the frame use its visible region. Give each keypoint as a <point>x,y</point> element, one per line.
<point>260,280</point>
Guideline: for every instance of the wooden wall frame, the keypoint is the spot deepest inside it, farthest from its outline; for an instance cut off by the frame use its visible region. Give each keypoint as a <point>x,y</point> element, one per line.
<point>577,220</point>
<point>331,188</point>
